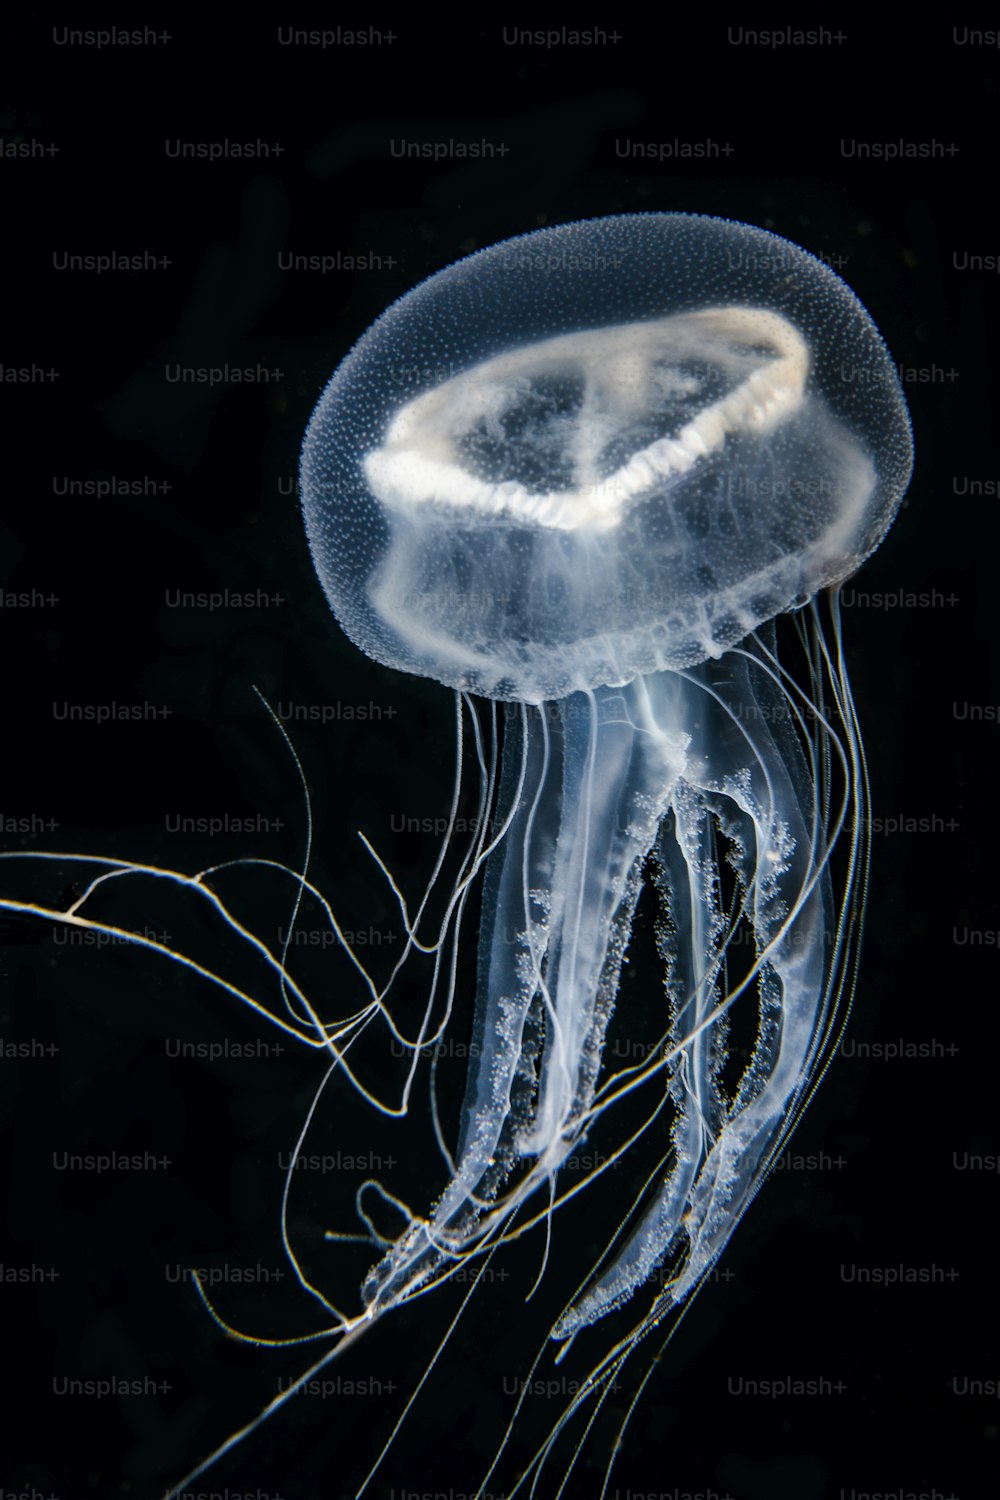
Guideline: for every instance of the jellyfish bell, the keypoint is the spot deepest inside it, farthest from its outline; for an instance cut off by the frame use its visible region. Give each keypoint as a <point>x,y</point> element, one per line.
<point>582,469</point>
<point>600,450</point>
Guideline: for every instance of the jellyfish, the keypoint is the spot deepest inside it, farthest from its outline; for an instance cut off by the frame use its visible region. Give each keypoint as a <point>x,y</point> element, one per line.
<point>582,473</point>
<point>600,481</point>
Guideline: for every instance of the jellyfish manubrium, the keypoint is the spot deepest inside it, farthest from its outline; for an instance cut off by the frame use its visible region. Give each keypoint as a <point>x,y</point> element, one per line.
<point>582,471</point>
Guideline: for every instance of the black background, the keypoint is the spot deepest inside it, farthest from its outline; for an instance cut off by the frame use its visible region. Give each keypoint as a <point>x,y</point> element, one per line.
<point>924,674</point>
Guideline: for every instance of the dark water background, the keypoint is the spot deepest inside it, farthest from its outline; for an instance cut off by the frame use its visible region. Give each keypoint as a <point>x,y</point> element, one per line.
<point>778,137</point>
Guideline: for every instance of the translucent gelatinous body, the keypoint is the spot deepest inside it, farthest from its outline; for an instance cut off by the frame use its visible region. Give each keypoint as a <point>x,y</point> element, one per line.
<point>585,465</point>
<point>603,449</point>
<point>584,472</point>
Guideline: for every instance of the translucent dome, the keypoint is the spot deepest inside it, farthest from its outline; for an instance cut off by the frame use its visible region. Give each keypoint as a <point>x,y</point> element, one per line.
<point>601,450</point>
